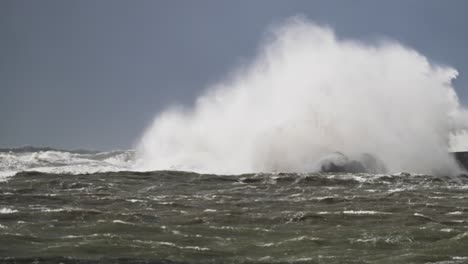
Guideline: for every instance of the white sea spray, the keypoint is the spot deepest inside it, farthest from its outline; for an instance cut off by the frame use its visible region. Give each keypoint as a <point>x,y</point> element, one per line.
<point>310,93</point>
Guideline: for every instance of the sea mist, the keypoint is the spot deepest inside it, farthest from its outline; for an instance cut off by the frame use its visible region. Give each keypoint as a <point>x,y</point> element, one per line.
<point>307,96</point>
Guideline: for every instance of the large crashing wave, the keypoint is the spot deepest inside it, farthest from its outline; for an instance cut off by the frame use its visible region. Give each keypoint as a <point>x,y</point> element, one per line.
<point>307,95</point>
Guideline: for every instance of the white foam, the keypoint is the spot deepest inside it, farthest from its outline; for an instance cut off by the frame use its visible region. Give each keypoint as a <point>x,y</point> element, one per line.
<point>117,221</point>
<point>459,258</point>
<point>364,212</point>
<point>7,211</point>
<point>170,244</point>
<point>310,93</point>
<point>63,162</point>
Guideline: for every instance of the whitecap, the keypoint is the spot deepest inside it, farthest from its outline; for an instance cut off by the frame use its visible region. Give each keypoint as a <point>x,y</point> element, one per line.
<point>7,211</point>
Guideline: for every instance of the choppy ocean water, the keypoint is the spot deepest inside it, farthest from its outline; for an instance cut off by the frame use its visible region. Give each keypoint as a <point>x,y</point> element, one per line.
<point>62,215</point>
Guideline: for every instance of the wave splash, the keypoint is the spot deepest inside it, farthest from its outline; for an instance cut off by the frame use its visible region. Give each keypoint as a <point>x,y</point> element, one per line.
<point>51,160</point>
<point>310,94</point>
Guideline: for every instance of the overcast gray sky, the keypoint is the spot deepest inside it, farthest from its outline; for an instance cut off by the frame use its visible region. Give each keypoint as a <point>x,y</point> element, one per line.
<point>93,74</point>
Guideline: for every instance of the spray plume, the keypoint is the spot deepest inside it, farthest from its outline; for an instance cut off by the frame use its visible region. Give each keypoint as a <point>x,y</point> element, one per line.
<point>307,95</point>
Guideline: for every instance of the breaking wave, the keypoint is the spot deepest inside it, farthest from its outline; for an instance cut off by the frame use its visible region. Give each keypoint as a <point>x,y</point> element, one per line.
<point>50,160</point>
<point>307,95</point>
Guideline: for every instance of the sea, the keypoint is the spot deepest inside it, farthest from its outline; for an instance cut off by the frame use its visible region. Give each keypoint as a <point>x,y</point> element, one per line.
<point>81,206</point>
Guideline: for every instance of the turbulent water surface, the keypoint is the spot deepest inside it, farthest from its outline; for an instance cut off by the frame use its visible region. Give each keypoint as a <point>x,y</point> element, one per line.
<point>62,161</point>
<point>296,107</point>
<point>180,217</point>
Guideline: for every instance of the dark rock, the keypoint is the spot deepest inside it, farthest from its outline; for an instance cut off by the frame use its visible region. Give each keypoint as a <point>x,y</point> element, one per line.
<point>338,162</point>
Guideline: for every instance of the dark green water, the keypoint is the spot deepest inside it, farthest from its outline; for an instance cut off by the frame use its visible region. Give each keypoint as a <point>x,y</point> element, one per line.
<point>176,217</point>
